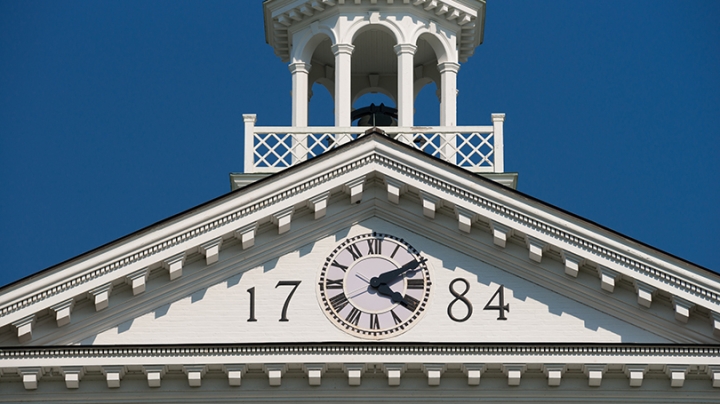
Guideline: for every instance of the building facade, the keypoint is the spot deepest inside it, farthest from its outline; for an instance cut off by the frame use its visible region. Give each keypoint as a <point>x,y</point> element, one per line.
<point>390,263</point>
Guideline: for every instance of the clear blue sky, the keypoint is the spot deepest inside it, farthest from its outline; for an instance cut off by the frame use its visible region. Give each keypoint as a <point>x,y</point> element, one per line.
<point>117,114</point>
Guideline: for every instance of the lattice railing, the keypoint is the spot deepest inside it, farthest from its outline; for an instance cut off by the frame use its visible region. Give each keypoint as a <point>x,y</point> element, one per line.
<point>474,148</point>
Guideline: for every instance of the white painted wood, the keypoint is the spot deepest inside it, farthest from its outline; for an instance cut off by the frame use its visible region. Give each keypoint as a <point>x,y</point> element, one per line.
<point>62,312</point>
<point>174,265</point>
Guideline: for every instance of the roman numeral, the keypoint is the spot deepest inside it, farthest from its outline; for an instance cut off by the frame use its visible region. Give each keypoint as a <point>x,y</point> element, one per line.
<point>410,303</point>
<point>374,246</point>
<point>414,284</point>
<point>374,322</point>
<point>354,316</point>
<point>343,267</point>
<point>354,251</point>
<point>395,317</point>
<point>397,247</point>
<point>334,283</point>
<point>338,302</point>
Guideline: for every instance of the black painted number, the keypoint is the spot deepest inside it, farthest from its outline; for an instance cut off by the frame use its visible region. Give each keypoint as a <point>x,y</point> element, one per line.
<point>252,304</point>
<point>287,301</point>
<point>460,297</point>
<point>502,307</point>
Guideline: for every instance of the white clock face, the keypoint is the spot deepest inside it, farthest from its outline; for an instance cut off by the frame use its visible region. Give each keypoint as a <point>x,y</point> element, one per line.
<point>374,286</point>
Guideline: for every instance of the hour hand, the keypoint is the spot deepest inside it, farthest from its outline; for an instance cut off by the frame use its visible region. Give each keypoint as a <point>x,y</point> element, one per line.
<point>395,297</point>
<point>391,275</point>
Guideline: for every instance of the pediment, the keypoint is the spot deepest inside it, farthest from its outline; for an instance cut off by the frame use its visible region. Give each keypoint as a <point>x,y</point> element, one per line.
<point>188,279</point>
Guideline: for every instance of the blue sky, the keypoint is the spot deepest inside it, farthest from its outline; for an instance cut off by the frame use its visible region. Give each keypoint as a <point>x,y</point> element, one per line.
<point>116,115</point>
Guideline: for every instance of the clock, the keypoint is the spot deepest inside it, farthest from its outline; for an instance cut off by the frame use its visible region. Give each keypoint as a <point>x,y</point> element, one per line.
<point>374,286</point>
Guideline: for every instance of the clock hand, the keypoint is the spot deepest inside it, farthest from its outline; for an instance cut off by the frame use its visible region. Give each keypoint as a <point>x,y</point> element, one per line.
<point>391,275</point>
<point>358,291</point>
<point>384,290</point>
<point>363,277</point>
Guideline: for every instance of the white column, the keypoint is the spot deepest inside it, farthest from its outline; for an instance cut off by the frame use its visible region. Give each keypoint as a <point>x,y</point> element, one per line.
<point>249,149</point>
<point>406,79</point>
<point>499,148</point>
<point>343,94</point>
<point>300,72</point>
<point>448,93</point>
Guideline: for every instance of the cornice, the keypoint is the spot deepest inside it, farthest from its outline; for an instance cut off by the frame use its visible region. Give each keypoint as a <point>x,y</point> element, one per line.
<point>282,16</point>
<point>321,175</point>
<point>644,351</point>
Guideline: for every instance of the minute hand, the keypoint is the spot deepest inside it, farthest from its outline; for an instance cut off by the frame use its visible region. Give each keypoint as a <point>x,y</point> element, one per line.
<point>391,275</point>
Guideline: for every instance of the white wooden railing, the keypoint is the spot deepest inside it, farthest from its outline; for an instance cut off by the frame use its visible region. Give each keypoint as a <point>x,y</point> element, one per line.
<point>269,149</point>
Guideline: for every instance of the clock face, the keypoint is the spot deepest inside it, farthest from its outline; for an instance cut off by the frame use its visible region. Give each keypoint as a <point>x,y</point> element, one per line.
<point>374,286</point>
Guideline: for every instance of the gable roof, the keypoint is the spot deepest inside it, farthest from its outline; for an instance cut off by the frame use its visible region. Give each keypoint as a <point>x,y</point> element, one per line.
<point>547,232</point>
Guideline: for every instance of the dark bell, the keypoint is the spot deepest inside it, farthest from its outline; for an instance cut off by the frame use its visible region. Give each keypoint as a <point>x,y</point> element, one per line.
<point>375,116</point>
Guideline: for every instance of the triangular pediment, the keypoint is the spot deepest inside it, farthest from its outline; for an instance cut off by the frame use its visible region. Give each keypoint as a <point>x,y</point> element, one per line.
<point>191,278</point>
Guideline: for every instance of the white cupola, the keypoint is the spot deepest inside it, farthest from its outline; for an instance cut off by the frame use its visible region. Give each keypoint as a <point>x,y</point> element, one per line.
<point>392,47</point>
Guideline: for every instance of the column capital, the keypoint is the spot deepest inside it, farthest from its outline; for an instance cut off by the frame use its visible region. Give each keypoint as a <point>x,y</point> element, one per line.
<point>342,48</point>
<point>404,48</point>
<point>299,67</point>
<point>450,67</point>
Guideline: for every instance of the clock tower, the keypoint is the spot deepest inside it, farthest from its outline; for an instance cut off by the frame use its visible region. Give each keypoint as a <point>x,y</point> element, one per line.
<point>367,264</point>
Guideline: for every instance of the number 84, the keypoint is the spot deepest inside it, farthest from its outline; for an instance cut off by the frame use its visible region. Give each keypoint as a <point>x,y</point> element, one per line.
<point>460,297</point>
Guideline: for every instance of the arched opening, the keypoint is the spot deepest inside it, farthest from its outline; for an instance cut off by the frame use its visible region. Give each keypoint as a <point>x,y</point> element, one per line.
<point>427,106</point>
<point>321,107</point>
<point>322,85</point>
<point>374,77</point>
<point>427,83</point>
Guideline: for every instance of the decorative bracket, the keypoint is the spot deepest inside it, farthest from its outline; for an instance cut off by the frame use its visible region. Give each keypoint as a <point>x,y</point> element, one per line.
<point>645,293</point>
<point>195,374</point>
<point>154,375</point>
<point>62,311</point>
<point>355,189</point>
<point>314,372</point>
<point>394,189</point>
<point>677,374</point>
<point>211,250</point>
<point>174,265</point>
<point>318,204</point>
<point>715,318</point>
<point>501,233</point>
<point>535,248</point>
<point>30,377</point>
<point>554,374</point>
<point>594,374</point>
<point>246,235</point>
<point>514,373</point>
<point>682,309</point>
<point>275,373</point>
<point>283,219</point>
<point>465,219</point>
<point>608,278</point>
<point>113,375</point>
<point>473,371</point>
<point>430,204</point>
<point>714,373</point>
<point>572,263</point>
<point>434,371</point>
<point>635,374</point>
<point>354,372</point>
<point>24,328</point>
<point>101,296</point>
<point>72,376</point>
<point>137,280</point>
<point>235,373</point>
<point>394,372</point>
